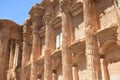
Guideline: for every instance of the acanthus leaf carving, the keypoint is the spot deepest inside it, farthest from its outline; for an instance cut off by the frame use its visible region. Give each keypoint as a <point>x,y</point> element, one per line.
<point>65,5</point>
<point>48,17</point>
<point>36,24</point>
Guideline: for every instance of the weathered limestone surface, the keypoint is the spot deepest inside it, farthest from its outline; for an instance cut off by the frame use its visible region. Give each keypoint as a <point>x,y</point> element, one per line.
<point>54,75</point>
<point>67,38</point>
<point>12,53</point>
<point>3,58</point>
<point>17,59</point>
<point>26,49</point>
<point>49,42</point>
<point>62,40</point>
<point>50,46</point>
<point>92,54</point>
<point>75,73</point>
<point>36,50</point>
<point>104,70</point>
<point>7,28</point>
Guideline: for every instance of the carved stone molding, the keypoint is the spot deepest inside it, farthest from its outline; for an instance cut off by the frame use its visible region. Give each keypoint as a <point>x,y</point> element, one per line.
<point>36,24</point>
<point>40,62</point>
<point>77,46</point>
<point>56,55</point>
<point>107,38</point>
<point>109,33</point>
<point>36,14</point>
<point>56,59</point>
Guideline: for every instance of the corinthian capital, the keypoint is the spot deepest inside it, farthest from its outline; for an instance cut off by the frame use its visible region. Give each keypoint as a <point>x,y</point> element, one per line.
<point>36,19</point>
<point>48,17</point>
<point>65,5</point>
<point>36,23</point>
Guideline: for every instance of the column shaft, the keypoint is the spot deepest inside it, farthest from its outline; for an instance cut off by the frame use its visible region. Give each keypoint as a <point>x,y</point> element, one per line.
<point>54,76</point>
<point>75,73</point>
<point>3,58</point>
<point>16,56</point>
<point>67,38</point>
<point>49,47</point>
<point>25,54</point>
<point>104,70</point>
<point>36,51</point>
<point>92,25</point>
<point>12,52</point>
<point>17,59</point>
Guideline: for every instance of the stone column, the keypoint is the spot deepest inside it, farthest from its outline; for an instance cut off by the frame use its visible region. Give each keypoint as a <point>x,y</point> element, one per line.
<point>17,59</point>
<point>12,53</point>
<point>16,56</point>
<point>67,39</point>
<point>104,69</point>
<point>11,59</point>
<point>54,75</point>
<point>75,73</point>
<point>3,58</point>
<point>26,51</point>
<point>92,25</point>
<point>49,47</point>
<point>36,49</point>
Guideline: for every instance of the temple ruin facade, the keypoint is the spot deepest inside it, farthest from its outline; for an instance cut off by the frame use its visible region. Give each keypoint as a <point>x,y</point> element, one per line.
<point>63,40</point>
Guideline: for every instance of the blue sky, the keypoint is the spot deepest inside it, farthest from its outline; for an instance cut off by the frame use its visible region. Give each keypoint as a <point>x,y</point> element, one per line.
<point>16,10</point>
